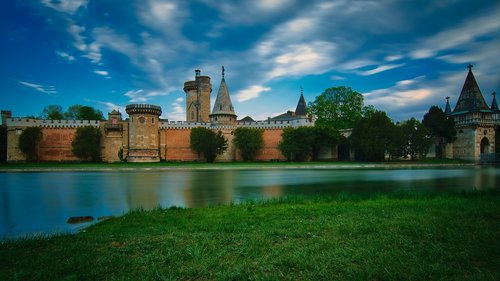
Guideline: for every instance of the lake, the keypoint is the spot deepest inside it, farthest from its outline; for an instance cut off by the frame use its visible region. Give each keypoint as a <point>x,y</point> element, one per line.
<point>42,202</point>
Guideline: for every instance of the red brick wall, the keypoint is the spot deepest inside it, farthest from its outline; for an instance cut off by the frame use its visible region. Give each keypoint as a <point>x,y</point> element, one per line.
<point>177,145</point>
<point>270,150</point>
<point>56,144</point>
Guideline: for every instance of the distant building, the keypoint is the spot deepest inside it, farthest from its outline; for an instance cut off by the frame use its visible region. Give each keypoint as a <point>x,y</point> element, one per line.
<point>477,124</point>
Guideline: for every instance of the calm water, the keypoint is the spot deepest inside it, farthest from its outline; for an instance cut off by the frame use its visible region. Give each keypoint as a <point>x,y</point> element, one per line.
<point>41,203</point>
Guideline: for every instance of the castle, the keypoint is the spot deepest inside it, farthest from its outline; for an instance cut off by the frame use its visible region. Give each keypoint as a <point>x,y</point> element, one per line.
<point>144,137</point>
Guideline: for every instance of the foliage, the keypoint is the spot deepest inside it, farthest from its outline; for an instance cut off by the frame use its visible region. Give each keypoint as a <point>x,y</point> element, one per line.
<point>29,141</point>
<point>79,112</point>
<point>374,136</point>
<point>207,142</point>
<point>417,138</point>
<point>378,238</point>
<point>3,144</point>
<point>53,112</point>
<point>248,141</point>
<point>304,143</point>
<point>87,143</point>
<point>339,107</point>
<point>439,124</point>
<point>120,155</point>
<point>442,128</point>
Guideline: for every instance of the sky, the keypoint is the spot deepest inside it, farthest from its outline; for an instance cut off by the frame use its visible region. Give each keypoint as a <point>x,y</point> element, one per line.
<point>403,56</point>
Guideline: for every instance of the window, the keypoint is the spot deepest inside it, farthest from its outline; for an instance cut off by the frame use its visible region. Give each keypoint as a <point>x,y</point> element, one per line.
<point>192,114</point>
<point>220,107</point>
<point>142,120</point>
<point>152,120</point>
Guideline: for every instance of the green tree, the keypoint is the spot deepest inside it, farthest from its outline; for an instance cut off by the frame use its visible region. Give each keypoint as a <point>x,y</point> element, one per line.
<point>417,138</point>
<point>207,142</point>
<point>339,107</point>
<point>28,142</point>
<point>3,144</point>
<point>87,143</point>
<point>53,112</point>
<point>373,137</point>
<point>323,137</point>
<point>296,143</point>
<point>249,141</point>
<point>441,126</point>
<point>80,112</point>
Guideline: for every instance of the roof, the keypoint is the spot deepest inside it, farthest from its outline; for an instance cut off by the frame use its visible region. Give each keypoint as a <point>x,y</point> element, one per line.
<point>470,98</point>
<point>301,107</point>
<point>223,103</point>
<point>447,109</point>
<point>494,104</point>
<point>247,119</point>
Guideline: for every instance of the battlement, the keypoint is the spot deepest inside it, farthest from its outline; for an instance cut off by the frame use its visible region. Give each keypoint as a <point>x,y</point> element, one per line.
<point>28,122</point>
<point>143,108</point>
<point>258,124</point>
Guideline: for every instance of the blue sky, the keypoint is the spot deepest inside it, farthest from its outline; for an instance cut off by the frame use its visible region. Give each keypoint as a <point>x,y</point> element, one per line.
<point>404,56</point>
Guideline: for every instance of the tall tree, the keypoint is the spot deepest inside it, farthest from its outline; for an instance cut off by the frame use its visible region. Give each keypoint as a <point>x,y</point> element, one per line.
<point>87,143</point>
<point>207,142</point>
<point>417,138</point>
<point>373,137</point>
<point>28,142</point>
<point>338,107</point>
<point>53,112</point>
<point>441,126</point>
<point>249,141</point>
<point>323,137</point>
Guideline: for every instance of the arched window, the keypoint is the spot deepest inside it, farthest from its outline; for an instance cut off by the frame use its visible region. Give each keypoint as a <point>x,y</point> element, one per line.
<point>192,114</point>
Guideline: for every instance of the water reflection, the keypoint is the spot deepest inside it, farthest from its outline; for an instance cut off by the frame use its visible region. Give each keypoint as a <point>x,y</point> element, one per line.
<point>42,202</point>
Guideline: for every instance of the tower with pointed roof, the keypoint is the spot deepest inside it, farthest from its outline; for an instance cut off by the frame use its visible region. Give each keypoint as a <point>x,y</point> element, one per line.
<point>223,111</point>
<point>476,123</point>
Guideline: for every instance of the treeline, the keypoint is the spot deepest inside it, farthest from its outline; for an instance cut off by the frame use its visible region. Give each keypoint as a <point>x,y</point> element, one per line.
<point>73,112</point>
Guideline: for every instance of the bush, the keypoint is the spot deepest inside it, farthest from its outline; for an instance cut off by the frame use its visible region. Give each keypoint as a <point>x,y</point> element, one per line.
<point>87,144</point>
<point>248,141</point>
<point>207,142</point>
<point>28,142</point>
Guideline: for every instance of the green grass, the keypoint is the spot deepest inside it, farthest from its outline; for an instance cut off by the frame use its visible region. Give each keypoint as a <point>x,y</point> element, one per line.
<point>220,165</point>
<point>378,237</point>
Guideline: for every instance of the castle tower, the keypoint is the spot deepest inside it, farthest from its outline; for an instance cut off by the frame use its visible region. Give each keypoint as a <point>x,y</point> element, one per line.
<point>198,98</point>
<point>301,109</point>
<point>475,123</point>
<point>144,140</point>
<point>223,111</point>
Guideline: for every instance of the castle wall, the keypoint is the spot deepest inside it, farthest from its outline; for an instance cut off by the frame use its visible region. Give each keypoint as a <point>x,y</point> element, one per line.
<point>177,142</point>
<point>114,138</point>
<point>270,150</point>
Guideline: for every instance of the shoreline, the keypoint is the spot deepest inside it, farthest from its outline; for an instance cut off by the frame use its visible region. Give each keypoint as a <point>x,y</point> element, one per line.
<point>121,167</point>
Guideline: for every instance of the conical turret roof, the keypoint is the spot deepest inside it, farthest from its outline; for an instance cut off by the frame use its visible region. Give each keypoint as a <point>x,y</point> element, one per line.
<point>223,105</point>
<point>447,109</point>
<point>494,104</point>
<point>301,106</point>
<point>470,98</point>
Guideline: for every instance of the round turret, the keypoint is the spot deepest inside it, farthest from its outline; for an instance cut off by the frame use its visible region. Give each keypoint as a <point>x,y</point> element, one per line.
<point>198,98</point>
<point>143,143</point>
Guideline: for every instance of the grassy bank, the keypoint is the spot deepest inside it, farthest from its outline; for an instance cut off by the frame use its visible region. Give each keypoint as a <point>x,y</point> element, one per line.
<point>405,237</point>
<point>72,166</point>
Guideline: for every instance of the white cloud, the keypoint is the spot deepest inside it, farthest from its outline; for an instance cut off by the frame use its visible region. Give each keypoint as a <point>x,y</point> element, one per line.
<point>380,68</point>
<point>110,106</point>
<point>177,111</point>
<point>66,6</point>
<point>143,96</point>
<point>65,55</point>
<point>102,73</point>
<point>393,58</point>
<point>49,90</point>
<point>251,93</point>
<point>337,77</point>
<point>460,36</point>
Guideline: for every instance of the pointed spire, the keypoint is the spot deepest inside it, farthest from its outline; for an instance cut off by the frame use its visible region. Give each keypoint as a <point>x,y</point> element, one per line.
<point>301,105</point>
<point>447,109</point>
<point>223,103</point>
<point>494,104</point>
<point>470,98</point>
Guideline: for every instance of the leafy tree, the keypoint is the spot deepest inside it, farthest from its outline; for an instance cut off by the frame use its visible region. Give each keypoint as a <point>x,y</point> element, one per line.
<point>53,112</point>
<point>3,144</point>
<point>296,143</point>
<point>248,141</point>
<point>417,138</point>
<point>79,112</point>
<point>374,136</point>
<point>323,137</point>
<point>442,128</point>
<point>396,142</point>
<point>339,107</point>
<point>207,142</point>
<point>28,142</point>
<point>87,143</point>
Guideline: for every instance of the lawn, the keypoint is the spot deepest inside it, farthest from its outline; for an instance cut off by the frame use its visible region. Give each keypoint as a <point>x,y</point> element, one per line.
<point>378,237</point>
